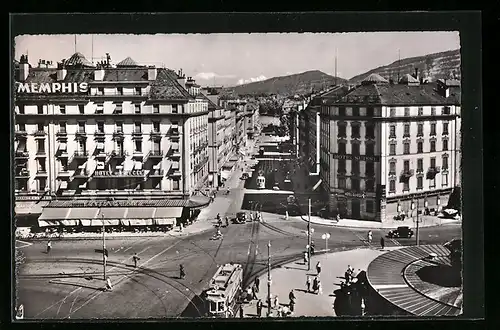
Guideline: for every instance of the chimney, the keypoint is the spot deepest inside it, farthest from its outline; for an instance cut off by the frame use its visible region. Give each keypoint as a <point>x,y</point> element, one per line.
<point>416,73</point>
<point>152,73</point>
<point>99,72</point>
<point>24,68</point>
<point>61,70</point>
<point>181,79</point>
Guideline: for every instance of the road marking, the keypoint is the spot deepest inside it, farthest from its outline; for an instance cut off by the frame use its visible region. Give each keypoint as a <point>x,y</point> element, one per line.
<point>99,293</point>
<point>395,242</point>
<point>389,286</point>
<point>22,242</point>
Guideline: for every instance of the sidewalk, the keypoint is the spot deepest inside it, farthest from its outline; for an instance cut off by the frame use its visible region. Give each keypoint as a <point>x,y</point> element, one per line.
<point>293,276</point>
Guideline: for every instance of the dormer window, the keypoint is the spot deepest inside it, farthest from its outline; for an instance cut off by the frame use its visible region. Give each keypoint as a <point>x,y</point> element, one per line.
<point>119,90</point>
<point>100,91</point>
<point>156,108</point>
<point>81,108</point>
<point>138,91</point>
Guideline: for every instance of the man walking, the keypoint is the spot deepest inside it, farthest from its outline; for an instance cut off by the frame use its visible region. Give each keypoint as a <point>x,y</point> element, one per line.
<point>135,258</point>
<point>109,287</point>
<point>276,302</point>
<point>241,311</point>
<point>291,296</point>
<point>318,267</point>
<point>49,246</point>
<point>382,242</point>
<point>259,308</point>
<point>254,292</point>
<point>308,284</point>
<point>257,284</point>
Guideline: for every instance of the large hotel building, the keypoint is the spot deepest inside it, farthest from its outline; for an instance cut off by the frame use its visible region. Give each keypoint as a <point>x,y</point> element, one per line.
<point>380,145</point>
<point>111,132</point>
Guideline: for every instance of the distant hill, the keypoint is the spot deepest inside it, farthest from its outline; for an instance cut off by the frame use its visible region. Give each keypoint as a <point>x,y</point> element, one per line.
<point>433,66</point>
<point>301,83</point>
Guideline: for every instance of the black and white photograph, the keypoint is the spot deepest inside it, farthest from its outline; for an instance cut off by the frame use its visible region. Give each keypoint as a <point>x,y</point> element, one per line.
<point>237,175</point>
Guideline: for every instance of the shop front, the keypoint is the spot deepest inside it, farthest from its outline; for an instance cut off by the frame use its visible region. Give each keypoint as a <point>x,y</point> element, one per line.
<point>26,212</point>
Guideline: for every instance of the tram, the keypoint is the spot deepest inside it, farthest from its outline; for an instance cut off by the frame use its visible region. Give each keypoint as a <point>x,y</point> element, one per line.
<point>261,180</point>
<point>225,287</point>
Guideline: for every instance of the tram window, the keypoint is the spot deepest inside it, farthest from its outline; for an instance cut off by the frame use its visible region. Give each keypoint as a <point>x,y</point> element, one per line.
<point>213,306</point>
<point>221,306</point>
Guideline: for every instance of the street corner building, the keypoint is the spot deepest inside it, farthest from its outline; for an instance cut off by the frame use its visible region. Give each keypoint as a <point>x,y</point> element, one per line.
<point>113,132</point>
<point>380,144</point>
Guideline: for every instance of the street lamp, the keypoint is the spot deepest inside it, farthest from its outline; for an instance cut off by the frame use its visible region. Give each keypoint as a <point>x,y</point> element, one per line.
<point>417,225</point>
<point>269,278</point>
<point>326,237</point>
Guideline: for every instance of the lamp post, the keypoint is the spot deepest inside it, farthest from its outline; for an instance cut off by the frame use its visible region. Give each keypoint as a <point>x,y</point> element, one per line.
<point>269,278</point>
<point>438,201</point>
<point>417,225</point>
<point>326,237</point>
<point>103,246</point>
<point>309,236</point>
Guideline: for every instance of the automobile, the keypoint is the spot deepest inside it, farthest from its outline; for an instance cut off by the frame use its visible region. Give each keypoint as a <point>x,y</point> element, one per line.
<point>241,217</point>
<point>400,232</point>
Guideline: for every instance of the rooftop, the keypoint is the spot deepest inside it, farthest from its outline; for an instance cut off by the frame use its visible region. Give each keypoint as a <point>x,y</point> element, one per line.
<point>128,62</point>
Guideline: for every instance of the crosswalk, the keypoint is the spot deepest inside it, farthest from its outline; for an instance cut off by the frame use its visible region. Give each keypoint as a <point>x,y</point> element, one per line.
<point>375,244</point>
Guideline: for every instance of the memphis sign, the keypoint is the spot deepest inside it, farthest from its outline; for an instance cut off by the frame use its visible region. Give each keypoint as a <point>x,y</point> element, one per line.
<point>51,88</point>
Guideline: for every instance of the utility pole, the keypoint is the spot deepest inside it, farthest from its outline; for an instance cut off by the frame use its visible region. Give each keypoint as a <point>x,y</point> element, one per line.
<point>103,245</point>
<point>309,236</point>
<point>269,278</point>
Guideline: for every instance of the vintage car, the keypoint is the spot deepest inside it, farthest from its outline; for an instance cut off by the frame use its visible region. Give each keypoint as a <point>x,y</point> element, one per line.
<point>401,232</point>
<point>241,217</point>
<point>244,176</point>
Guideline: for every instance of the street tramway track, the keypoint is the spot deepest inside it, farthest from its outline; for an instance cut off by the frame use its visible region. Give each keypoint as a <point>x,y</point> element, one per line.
<point>252,254</point>
<point>213,258</point>
<point>278,230</point>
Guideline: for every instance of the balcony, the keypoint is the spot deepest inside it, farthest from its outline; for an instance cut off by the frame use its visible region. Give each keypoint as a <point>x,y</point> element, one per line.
<point>41,154</point>
<point>420,170</point>
<point>137,134</point>
<point>41,172</point>
<point>118,134</point>
<point>100,154</point>
<point>175,153</point>
<point>99,134</point>
<point>138,154</point>
<point>392,136</point>
<point>63,174</point>
<point>118,154</point>
<point>200,164</point>
<point>406,175</point>
<point>156,173</point>
<point>174,133</point>
<point>155,134</point>
<point>39,134</point>
<point>21,134</point>
<point>406,135</point>
<point>420,134</point>
<point>23,173</point>
<point>22,155</point>
<point>432,171</point>
<point>154,154</point>
<point>62,134</point>
<point>80,154</point>
<point>81,134</point>
<point>81,174</point>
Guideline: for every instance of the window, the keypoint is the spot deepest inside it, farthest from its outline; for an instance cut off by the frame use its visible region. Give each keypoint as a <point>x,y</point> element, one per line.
<point>100,126</point>
<point>42,184</point>
<point>433,146</point>
<point>119,90</point>
<point>392,149</point>
<point>342,130</point>
<point>341,147</point>
<point>119,127</point>
<point>40,146</point>
<point>156,146</point>
<point>445,162</point>
<point>432,183</point>
<point>370,112</point>
<point>81,108</point>
<point>370,149</point>
<point>64,164</point>
<point>355,148</point>
<point>370,168</point>
<point>370,185</point>
<point>355,167</point>
<point>420,182</point>
<point>433,162</point>
<point>156,108</point>
<point>446,110</point>
<point>445,145</point>
<point>341,111</point>
<point>100,90</point>
<point>355,112</point>
<point>420,111</point>
<point>420,165</point>
<point>392,185</point>
<point>393,112</point>
<point>341,166</point>
<point>81,127</point>
<point>40,109</point>
<point>392,132</point>
<point>137,146</point>
<point>119,147</point>
<point>175,185</point>
<point>370,131</point>
<point>407,112</point>
<point>342,183</point>
<point>137,127</point>
<point>156,126</point>
<point>62,109</point>
<point>40,127</point>
<point>406,146</point>
<point>355,184</point>
<point>433,129</point>
<point>118,109</point>
<point>81,146</point>
<point>175,108</point>
<point>21,109</point>
<point>433,111</point>
<point>444,179</point>
<point>406,185</point>
<point>420,147</point>
<point>406,166</point>
<point>420,129</point>
<point>137,108</point>
<point>41,165</point>
<point>392,167</point>
<point>370,206</point>
<point>355,131</point>
<point>445,128</point>
<point>138,91</point>
<point>406,130</point>
<point>99,109</point>
<point>22,127</point>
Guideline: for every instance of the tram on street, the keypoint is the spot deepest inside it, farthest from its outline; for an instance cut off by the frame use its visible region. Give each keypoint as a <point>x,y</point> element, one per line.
<point>224,289</point>
<point>261,180</point>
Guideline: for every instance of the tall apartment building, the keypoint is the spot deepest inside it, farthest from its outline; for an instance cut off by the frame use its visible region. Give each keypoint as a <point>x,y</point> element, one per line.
<point>217,148</point>
<point>104,131</point>
<point>384,145</point>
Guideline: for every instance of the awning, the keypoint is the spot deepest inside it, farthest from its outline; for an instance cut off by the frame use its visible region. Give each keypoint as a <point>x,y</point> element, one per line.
<point>62,146</point>
<point>165,222</point>
<point>317,185</point>
<point>78,213</point>
<point>140,212</point>
<point>113,212</point>
<point>56,213</point>
<point>107,222</point>
<point>168,212</point>
<point>51,223</point>
<point>22,208</point>
<point>85,222</point>
<point>70,222</point>
<point>141,222</point>
<point>100,146</point>
<point>63,185</point>
<point>125,222</point>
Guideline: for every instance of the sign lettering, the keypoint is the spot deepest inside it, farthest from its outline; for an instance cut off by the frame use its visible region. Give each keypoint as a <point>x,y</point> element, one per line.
<point>119,173</point>
<point>357,157</point>
<point>118,203</point>
<point>51,88</point>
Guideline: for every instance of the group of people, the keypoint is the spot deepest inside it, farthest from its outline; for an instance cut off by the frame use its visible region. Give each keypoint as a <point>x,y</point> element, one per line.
<point>369,238</point>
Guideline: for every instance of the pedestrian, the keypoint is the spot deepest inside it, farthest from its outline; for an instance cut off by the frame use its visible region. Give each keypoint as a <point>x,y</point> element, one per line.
<point>280,312</point>
<point>291,295</point>
<point>350,269</point>
<point>318,267</point>
<point>292,306</point>
<point>370,236</point>
<point>320,289</point>
<point>312,247</point>
<point>241,311</point>
<point>182,272</point>
<point>109,287</point>
<point>382,242</point>
<point>276,302</point>
<point>306,257</point>
<point>347,276</point>
<point>49,246</point>
<point>259,308</point>
<point>135,257</point>
<point>254,292</point>
<point>257,284</point>
<point>308,284</point>
<point>315,285</point>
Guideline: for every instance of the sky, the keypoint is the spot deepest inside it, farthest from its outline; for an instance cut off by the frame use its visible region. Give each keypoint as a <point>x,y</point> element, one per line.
<point>230,59</point>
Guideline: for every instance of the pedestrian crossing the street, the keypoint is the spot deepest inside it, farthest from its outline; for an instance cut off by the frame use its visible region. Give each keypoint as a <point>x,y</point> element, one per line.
<point>373,244</point>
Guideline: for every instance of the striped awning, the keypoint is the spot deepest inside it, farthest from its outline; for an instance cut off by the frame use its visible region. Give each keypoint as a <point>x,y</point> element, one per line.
<point>113,212</point>
<point>48,223</point>
<point>168,212</point>
<point>165,222</point>
<point>49,214</point>
<point>106,222</point>
<point>78,213</point>
<point>85,222</point>
<point>141,222</point>
<point>70,222</point>
<point>140,212</point>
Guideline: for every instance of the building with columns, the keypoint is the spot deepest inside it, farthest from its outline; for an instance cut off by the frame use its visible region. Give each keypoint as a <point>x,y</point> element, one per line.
<point>108,131</point>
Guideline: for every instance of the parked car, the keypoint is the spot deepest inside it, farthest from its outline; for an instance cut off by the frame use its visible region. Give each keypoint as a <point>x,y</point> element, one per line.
<point>244,176</point>
<point>401,232</point>
<point>241,217</point>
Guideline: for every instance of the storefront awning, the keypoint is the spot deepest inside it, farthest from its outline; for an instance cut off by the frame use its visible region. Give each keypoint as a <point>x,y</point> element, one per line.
<point>22,208</point>
<point>140,212</point>
<point>317,185</point>
<point>113,212</point>
<point>48,223</point>
<point>106,222</point>
<point>168,212</point>
<point>85,222</point>
<point>165,222</point>
<point>70,222</point>
<point>55,213</point>
<point>141,222</point>
<point>78,213</point>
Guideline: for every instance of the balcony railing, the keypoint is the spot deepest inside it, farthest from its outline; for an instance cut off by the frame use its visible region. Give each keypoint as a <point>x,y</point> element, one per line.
<point>420,134</point>
<point>118,154</point>
<point>155,133</point>
<point>81,133</point>
<point>118,134</point>
<point>175,153</point>
<point>21,134</point>
<point>156,173</point>
<point>22,155</point>
<point>39,133</point>
<point>174,133</point>
<point>137,133</point>
<point>41,172</point>
<point>62,133</point>
<point>392,136</point>
<point>154,154</point>
<point>40,154</point>
<point>99,134</point>
<point>200,165</point>
<point>138,154</point>
<point>406,135</point>
<point>81,154</point>
<point>24,173</point>
<point>63,174</point>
